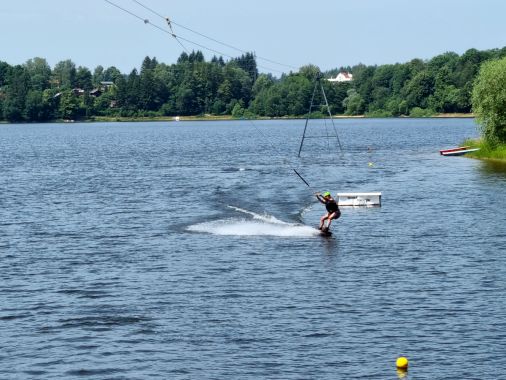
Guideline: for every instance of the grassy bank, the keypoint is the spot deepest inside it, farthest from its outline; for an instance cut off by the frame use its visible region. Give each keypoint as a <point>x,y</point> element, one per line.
<point>454,115</point>
<point>229,117</point>
<point>486,151</point>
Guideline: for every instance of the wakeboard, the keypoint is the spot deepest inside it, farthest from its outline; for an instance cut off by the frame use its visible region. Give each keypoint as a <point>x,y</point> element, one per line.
<point>325,232</point>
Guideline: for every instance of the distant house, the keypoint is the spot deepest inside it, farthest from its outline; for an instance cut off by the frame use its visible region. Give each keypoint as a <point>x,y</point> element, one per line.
<point>106,84</point>
<point>343,76</point>
<point>78,91</point>
<point>95,92</point>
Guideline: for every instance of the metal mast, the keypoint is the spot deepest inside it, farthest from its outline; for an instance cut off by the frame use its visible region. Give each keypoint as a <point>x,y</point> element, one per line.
<point>319,84</point>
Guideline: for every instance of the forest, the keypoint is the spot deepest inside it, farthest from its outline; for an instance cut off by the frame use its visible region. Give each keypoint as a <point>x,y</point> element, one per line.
<point>35,92</point>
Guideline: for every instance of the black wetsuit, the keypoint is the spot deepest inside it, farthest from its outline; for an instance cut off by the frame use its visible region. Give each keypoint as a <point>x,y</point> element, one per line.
<point>331,207</point>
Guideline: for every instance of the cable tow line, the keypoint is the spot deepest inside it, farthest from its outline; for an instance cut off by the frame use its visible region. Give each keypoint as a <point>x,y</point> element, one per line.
<point>179,38</point>
<point>274,148</point>
<point>171,22</point>
<point>170,31</point>
<point>302,178</point>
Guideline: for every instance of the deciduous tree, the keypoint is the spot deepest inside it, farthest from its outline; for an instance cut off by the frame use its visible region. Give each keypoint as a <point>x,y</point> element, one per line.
<point>489,100</point>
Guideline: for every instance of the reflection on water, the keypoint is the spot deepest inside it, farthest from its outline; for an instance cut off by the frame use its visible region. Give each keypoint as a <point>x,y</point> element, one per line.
<point>494,167</point>
<point>144,250</point>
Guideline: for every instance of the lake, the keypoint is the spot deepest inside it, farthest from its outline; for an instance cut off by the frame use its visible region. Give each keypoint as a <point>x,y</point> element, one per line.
<point>188,250</point>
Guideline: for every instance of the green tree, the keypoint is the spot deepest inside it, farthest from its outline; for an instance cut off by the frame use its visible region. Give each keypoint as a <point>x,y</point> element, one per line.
<point>50,103</point>
<point>468,66</point>
<point>128,92</point>
<point>40,73</point>
<point>16,91</point>
<point>34,106</point>
<point>98,75</point>
<point>466,70</point>
<point>185,101</point>
<point>396,106</point>
<point>64,74</point>
<point>218,61</point>
<point>238,111</point>
<point>489,100</point>
<point>150,89</point>
<point>446,98</point>
<point>310,72</point>
<point>112,74</point>
<point>240,83</point>
<point>83,78</point>
<point>419,89</point>
<point>248,63</point>
<point>263,81</point>
<point>363,83</point>
<point>4,71</point>
<point>336,93</point>
<point>102,104</point>
<point>274,105</point>
<point>443,67</point>
<point>196,57</point>
<point>69,107</point>
<point>354,103</point>
<point>189,95</point>
<point>296,93</point>
<point>86,106</point>
<point>225,91</point>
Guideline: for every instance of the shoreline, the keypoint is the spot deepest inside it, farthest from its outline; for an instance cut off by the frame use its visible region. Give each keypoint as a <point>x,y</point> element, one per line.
<point>105,119</point>
<point>120,119</point>
<point>495,154</point>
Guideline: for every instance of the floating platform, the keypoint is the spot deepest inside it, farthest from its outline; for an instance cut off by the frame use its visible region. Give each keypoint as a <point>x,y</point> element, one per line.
<point>461,150</point>
<point>372,199</point>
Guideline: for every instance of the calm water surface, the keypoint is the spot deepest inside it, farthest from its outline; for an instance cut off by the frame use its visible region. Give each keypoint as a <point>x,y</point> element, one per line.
<point>188,251</point>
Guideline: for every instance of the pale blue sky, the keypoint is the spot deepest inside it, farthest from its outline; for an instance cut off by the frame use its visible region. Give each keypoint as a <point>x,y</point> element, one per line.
<point>328,33</point>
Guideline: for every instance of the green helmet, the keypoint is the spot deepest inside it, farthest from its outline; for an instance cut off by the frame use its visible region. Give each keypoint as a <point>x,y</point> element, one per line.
<point>326,194</point>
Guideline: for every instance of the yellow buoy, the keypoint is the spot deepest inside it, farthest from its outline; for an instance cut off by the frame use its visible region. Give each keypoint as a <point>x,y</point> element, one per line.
<point>402,363</point>
<point>370,164</point>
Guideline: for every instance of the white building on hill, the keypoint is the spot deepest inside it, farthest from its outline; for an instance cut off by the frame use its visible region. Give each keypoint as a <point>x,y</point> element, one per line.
<point>343,76</point>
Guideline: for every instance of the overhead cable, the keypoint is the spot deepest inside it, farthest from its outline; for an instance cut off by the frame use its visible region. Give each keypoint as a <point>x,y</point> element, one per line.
<point>178,38</point>
<point>146,21</point>
<point>210,38</point>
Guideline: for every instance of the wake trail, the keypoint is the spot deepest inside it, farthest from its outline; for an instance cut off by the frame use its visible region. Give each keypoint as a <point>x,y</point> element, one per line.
<point>253,225</point>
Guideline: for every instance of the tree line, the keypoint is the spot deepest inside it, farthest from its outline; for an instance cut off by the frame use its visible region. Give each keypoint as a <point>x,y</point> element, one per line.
<point>489,105</point>
<point>193,86</point>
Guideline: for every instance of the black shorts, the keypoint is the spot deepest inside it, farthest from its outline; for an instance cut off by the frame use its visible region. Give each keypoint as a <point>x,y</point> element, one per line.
<point>338,214</point>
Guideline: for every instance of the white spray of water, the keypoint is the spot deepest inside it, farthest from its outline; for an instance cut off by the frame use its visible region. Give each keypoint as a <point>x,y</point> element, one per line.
<point>257,225</point>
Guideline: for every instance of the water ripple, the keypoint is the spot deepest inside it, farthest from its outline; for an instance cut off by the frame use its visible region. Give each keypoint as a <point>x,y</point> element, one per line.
<point>122,258</point>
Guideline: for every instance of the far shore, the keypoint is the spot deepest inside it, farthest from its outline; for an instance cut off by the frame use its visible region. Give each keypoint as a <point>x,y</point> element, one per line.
<point>229,117</point>
<point>115,119</point>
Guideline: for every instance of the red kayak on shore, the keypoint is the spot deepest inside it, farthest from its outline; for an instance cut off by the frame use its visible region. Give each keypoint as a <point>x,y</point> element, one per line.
<point>457,151</point>
<point>444,151</point>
